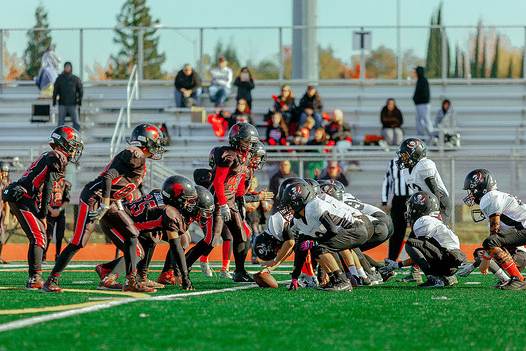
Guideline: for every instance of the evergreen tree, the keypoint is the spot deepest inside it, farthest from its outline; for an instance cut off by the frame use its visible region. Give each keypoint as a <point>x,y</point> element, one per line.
<point>458,69</point>
<point>510,68</point>
<point>495,66</point>
<point>38,41</point>
<point>475,70</point>
<point>434,46</point>
<point>135,13</point>
<point>482,73</point>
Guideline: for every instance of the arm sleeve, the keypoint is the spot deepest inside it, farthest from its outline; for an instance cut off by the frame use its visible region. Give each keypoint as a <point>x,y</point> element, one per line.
<point>219,184</point>
<point>299,259</point>
<point>433,186</point>
<point>178,254</point>
<point>108,181</point>
<point>46,194</point>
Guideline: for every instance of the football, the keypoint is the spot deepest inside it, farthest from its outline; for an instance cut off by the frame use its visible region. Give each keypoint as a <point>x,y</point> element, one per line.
<point>265,280</point>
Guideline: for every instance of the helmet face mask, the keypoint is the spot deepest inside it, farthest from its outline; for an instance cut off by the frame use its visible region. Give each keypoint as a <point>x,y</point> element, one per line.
<point>258,156</point>
<point>179,192</point>
<point>404,160</point>
<point>333,188</point>
<point>204,209</point>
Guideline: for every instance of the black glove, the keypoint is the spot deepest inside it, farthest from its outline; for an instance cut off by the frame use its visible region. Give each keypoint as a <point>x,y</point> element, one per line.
<point>240,202</point>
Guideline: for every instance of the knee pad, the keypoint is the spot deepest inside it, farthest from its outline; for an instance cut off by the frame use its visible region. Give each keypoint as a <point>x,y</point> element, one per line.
<point>491,242</point>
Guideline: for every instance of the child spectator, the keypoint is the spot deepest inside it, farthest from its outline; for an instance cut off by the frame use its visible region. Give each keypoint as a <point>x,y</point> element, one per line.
<point>337,130</point>
<point>241,114</point>
<point>313,167</point>
<point>277,131</point>
<point>445,116</point>
<point>286,105</point>
<point>310,105</point>
<point>392,120</point>
<point>221,83</point>
<point>307,129</point>
<point>187,87</point>
<point>245,83</point>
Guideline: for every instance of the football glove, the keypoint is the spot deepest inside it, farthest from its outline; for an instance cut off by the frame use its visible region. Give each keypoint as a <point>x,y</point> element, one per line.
<point>390,266</point>
<point>97,214</point>
<point>224,210</point>
<point>465,269</point>
<point>294,284</point>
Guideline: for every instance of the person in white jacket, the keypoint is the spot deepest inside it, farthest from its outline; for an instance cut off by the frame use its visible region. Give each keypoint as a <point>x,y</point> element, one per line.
<point>221,83</point>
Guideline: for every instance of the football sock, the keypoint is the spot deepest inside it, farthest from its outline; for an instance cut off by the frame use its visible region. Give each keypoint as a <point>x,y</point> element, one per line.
<point>119,267</point>
<point>168,262</point>
<point>503,277</point>
<point>240,256</point>
<point>64,258</point>
<point>34,259</point>
<point>130,255</point>
<point>203,259</point>
<point>505,261</point>
<point>178,255</point>
<point>353,271</point>
<point>361,273</point>
<point>307,267</point>
<point>226,255</point>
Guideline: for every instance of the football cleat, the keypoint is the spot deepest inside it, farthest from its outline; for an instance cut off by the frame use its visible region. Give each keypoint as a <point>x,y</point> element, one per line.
<point>514,284</point>
<point>110,283</point>
<point>387,276</point>
<point>205,268</point>
<point>102,271</point>
<point>167,278</point>
<point>133,285</point>
<point>226,274</point>
<point>51,285</point>
<point>341,285</point>
<point>142,276</point>
<point>450,280</point>
<point>35,282</point>
<point>242,277</point>
<point>432,282</point>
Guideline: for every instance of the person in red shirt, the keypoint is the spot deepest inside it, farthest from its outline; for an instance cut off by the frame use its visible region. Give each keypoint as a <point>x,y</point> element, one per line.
<point>29,196</point>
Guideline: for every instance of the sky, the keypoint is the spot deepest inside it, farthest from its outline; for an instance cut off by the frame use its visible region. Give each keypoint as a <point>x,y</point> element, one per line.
<point>182,46</point>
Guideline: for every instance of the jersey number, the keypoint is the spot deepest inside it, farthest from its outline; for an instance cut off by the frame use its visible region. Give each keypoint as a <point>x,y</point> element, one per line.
<point>138,207</point>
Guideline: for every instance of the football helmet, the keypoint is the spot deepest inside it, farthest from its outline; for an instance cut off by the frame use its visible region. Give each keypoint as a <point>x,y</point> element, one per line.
<point>258,156</point>
<point>314,184</point>
<point>180,192</point>
<point>266,246</point>
<point>421,204</point>
<point>284,184</point>
<point>296,196</point>
<point>243,136</point>
<point>149,137</point>
<point>205,204</point>
<point>410,152</point>
<point>332,188</point>
<point>477,183</point>
<point>68,140</point>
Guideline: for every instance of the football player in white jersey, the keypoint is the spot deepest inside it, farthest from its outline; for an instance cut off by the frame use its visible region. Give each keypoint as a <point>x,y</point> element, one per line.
<point>421,173</point>
<point>382,224</point>
<point>431,244</point>
<point>507,223</point>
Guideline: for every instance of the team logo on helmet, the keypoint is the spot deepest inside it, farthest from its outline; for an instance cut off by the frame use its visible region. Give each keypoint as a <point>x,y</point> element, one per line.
<point>420,199</point>
<point>411,144</point>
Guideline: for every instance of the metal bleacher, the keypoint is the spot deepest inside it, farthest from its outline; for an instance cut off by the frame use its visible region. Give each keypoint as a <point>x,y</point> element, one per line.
<point>487,114</point>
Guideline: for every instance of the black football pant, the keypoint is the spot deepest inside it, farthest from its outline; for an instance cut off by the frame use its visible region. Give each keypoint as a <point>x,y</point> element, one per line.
<point>510,239</point>
<point>432,258</point>
<point>347,238</point>
<point>25,211</point>
<point>398,208</point>
<point>119,220</point>
<point>57,226</point>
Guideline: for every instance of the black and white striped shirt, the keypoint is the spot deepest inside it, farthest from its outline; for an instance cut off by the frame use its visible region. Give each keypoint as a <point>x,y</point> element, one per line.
<point>394,182</point>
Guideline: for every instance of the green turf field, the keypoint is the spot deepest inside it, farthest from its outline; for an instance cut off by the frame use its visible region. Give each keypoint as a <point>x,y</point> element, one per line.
<point>394,316</point>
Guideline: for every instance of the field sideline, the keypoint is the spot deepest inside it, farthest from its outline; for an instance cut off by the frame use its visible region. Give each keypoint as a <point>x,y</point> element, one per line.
<point>220,315</point>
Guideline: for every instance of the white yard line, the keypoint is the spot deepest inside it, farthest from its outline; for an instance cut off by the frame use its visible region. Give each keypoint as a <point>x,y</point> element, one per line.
<point>27,322</point>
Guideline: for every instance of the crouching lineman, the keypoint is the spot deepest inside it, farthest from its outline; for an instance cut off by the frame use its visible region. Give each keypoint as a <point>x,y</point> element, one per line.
<point>30,195</point>
<point>507,223</point>
<point>431,244</point>
<point>168,212</point>
<point>102,196</point>
<point>329,229</point>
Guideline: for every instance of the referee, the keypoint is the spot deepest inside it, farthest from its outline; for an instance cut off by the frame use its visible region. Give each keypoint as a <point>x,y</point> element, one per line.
<point>394,183</point>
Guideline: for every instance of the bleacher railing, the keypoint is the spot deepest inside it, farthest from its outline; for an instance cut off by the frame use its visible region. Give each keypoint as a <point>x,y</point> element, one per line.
<point>405,44</point>
<point>123,123</point>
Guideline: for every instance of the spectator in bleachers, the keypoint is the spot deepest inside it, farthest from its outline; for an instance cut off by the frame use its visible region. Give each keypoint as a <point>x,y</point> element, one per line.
<point>445,116</point>
<point>334,171</point>
<point>311,105</point>
<point>48,73</point>
<point>421,98</point>
<point>245,83</point>
<point>284,172</point>
<point>313,168</point>
<point>187,87</point>
<point>68,90</point>
<point>277,131</point>
<point>241,114</point>
<point>338,130</point>
<point>221,82</point>
<point>307,129</point>
<point>286,105</point>
<point>392,120</point>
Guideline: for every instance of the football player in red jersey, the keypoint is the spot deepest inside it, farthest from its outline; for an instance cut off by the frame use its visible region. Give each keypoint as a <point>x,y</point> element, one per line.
<point>29,196</point>
<point>56,217</point>
<point>102,197</point>
<point>161,214</point>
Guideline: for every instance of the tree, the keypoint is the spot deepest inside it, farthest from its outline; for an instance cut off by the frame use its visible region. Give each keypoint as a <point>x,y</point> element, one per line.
<point>437,37</point>
<point>331,67</point>
<point>510,68</point>
<point>135,13</point>
<point>482,73</point>
<point>495,65</point>
<point>475,70</point>
<point>38,41</point>
<point>381,63</point>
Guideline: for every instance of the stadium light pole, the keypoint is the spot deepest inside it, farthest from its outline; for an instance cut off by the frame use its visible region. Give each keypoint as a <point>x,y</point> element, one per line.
<point>304,40</point>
